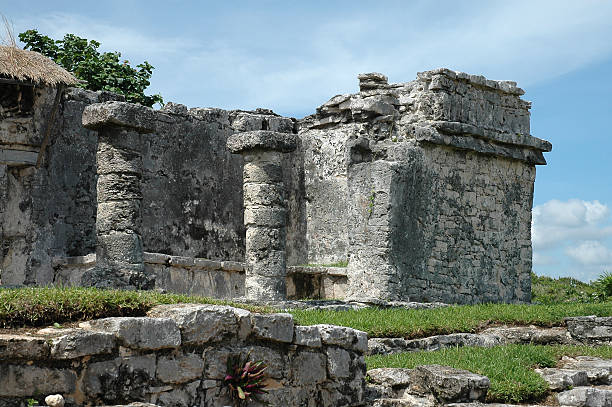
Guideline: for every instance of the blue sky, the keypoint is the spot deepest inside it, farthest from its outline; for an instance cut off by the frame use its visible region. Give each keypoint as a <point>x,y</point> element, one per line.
<point>293,56</point>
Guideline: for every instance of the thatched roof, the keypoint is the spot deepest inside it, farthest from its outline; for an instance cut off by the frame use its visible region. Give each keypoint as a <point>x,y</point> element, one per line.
<point>31,66</point>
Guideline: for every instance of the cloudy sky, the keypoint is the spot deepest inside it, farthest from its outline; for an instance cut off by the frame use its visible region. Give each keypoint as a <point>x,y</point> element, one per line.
<point>293,56</point>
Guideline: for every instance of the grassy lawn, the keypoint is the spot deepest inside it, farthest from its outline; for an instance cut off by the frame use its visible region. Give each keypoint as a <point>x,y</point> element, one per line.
<point>510,368</point>
<point>466,318</point>
<point>37,306</point>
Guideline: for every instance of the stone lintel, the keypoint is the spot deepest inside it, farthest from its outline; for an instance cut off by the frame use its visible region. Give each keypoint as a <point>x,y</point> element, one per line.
<point>119,114</point>
<point>262,140</point>
<point>17,157</point>
<point>523,140</point>
<point>481,145</point>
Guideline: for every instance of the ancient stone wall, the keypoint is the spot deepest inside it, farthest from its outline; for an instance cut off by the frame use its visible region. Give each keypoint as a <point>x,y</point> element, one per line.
<point>211,278</point>
<point>424,187</point>
<point>439,179</point>
<point>48,211</point>
<point>191,185</point>
<point>118,360</point>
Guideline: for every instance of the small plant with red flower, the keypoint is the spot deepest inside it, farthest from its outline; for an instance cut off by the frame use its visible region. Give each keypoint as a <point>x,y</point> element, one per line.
<point>245,379</point>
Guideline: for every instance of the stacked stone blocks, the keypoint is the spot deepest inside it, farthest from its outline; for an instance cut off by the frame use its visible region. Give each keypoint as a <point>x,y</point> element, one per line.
<point>119,167</point>
<point>265,211</point>
<point>177,357</point>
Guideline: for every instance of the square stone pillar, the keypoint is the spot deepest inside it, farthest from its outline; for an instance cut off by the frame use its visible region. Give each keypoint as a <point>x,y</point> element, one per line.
<point>119,167</point>
<point>265,211</point>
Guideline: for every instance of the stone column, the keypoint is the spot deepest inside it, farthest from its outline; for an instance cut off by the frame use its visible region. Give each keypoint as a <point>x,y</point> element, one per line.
<point>119,250</point>
<point>265,211</point>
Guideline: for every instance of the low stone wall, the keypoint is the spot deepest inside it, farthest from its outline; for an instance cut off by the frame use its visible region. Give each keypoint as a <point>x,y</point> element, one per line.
<point>318,282</point>
<point>211,278</point>
<point>589,330</point>
<point>177,357</point>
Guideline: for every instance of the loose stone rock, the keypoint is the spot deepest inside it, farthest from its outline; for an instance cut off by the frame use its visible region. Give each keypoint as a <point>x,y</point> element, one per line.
<point>55,400</point>
<point>449,384</point>
<point>586,397</point>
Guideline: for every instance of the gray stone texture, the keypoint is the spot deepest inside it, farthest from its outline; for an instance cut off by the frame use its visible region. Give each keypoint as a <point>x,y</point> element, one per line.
<point>152,364</point>
<point>119,114</point>
<point>50,211</point>
<point>424,187</point>
<point>488,338</point>
<point>586,397</point>
<point>139,332</point>
<point>264,211</point>
<point>430,188</point>
<point>590,329</point>
<point>119,249</point>
<point>449,384</point>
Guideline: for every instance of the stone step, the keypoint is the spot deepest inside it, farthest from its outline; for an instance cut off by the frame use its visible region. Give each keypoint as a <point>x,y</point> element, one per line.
<point>487,338</point>
<point>586,397</point>
<point>599,371</point>
<point>563,379</point>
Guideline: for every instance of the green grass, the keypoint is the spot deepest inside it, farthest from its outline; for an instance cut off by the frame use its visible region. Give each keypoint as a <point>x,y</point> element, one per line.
<point>37,306</point>
<point>510,368</point>
<point>466,318</point>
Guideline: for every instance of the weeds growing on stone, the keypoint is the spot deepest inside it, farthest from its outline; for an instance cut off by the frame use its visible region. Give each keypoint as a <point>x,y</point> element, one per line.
<point>510,367</point>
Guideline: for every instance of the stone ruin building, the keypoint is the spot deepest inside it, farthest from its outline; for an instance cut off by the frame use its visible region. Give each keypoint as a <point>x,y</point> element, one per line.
<point>418,191</point>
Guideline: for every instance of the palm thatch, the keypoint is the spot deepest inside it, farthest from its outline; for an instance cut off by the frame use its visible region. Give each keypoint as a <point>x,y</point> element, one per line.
<point>33,67</point>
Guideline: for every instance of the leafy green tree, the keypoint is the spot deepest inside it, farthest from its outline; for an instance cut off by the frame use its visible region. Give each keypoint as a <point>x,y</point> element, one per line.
<point>101,71</point>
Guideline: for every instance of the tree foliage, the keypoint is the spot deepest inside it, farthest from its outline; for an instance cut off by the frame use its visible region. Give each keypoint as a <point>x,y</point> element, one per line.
<point>101,71</point>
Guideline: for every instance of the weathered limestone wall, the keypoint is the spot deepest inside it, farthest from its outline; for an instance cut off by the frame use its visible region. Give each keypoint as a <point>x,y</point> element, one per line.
<point>50,211</point>
<point>439,179</point>
<point>177,357</point>
<point>325,190</point>
<point>425,188</point>
<point>191,185</point>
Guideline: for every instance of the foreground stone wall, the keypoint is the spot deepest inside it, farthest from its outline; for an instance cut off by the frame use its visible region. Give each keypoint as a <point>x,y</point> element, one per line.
<point>177,357</point>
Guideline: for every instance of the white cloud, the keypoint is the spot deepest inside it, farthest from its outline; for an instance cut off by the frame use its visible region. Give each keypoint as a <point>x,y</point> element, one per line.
<point>292,59</point>
<point>556,221</point>
<point>591,253</point>
<point>129,41</point>
<point>572,238</point>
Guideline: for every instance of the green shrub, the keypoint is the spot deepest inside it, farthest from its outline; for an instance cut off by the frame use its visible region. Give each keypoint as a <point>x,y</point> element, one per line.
<point>547,290</point>
<point>604,284</point>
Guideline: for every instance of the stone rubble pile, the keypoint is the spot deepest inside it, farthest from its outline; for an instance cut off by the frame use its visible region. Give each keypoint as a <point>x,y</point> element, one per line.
<point>580,382</point>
